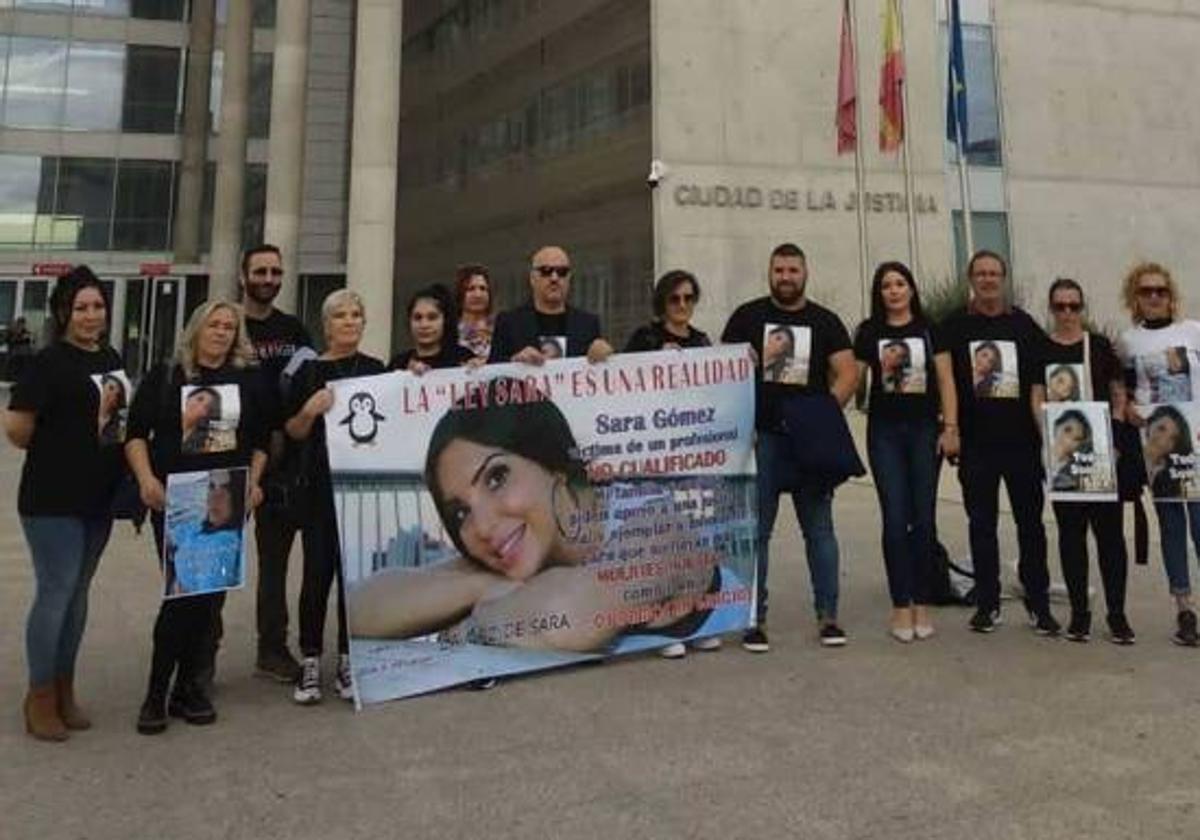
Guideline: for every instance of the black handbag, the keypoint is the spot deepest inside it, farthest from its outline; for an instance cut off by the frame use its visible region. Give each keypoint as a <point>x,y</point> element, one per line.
<point>822,447</point>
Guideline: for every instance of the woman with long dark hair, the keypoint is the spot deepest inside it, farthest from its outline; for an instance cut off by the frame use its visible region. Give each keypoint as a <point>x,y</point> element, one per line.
<point>911,387</point>
<point>68,479</point>
<point>430,313</point>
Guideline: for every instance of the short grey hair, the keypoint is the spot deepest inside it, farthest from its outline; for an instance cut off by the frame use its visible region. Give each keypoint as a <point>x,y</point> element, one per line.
<point>337,299</point>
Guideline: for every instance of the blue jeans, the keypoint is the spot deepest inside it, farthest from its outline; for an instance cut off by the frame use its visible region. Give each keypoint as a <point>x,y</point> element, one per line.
<point>903,456</point>
<point>778,473</point>
<point>1173,521</point>
<point>66,551</point>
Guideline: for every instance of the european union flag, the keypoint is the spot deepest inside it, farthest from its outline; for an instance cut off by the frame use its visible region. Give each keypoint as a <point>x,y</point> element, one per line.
<point>956,93</point>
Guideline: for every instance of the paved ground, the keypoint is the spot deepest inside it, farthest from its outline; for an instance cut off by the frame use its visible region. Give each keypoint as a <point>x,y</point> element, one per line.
<point>1004,737</point>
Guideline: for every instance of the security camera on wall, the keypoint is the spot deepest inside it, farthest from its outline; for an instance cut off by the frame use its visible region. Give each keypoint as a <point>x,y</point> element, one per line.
<point>658,171</point>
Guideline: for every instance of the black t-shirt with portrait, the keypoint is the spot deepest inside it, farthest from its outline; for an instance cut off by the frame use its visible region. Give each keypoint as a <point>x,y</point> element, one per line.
<point>908,390</point>
<point>276,339</point>
<point>997,361</point>
<point>805,339</point>
<point>654,336</point>
<point>312,377</point>
<point>236,427</point>
<point>1104,364</point>
<point>450,355</point>
<point>74,459</point>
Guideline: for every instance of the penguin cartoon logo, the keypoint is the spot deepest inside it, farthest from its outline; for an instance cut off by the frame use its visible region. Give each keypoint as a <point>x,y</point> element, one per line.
<point>362,419</point>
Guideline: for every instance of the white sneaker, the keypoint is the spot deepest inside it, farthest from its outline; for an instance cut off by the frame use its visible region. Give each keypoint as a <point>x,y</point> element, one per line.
<point>308,687</point>
<point>675,650</point>
<point>345,679</point>
<point>710,643</point>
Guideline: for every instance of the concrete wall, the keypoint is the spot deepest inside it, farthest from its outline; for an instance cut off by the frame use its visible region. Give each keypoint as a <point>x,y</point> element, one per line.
<point>1103,142</point>
<point>327,145</point>
<point>744,97</point>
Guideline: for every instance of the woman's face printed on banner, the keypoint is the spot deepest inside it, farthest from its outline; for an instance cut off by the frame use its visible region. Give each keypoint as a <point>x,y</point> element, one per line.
<point>1162,437</point>
<point>503,506</point>
<point>1069,437</point>
<point>209,416</point>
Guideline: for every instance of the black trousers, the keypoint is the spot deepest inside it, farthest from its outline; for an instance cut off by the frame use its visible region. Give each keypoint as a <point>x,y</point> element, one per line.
<point>186,633</point>
<point>274,532</point>
<point>1106,523</point>
<point>322,566</point>
<point>981,469</point>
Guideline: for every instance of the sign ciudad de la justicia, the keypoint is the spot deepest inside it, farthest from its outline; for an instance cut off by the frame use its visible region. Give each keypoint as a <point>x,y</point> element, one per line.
<point>750,197</point>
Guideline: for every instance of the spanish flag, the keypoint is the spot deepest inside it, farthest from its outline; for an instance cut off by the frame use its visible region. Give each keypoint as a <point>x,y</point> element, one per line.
<point>891,80</point>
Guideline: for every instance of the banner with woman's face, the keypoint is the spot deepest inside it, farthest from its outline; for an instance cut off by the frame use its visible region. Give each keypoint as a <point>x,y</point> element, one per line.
<point>1079,454</point>
<point>515,518</point>
<point>204,534</point>
<point>1170,443</point>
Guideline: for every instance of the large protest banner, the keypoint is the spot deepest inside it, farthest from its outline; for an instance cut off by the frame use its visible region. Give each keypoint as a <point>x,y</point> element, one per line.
<point>204,538</point>
<point>1080,457</point>
<point>514,518</point>
<point>1170,440</point>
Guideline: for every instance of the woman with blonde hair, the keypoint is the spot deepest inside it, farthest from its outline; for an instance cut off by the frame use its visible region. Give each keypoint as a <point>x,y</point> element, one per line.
<point>1160,352</point>
<point>214,357</point>
<point>344,318</point>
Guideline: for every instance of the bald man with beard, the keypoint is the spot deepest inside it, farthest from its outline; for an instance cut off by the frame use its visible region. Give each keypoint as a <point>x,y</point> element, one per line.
<point>546,318</point>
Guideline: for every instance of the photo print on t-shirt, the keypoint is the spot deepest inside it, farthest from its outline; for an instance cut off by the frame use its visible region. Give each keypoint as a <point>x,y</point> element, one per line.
<point>209,418</point>
<point>553,346</point>
<point>115,393</point>
<point>1169,374</point>
<point>787,349</point>
<point>994,370</point>
<point>902,365</point>
<point>1066,383</point>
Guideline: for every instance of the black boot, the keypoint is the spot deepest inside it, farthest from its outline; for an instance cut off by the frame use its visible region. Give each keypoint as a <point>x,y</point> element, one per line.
<point>189,702</point>
<point>152,719</point>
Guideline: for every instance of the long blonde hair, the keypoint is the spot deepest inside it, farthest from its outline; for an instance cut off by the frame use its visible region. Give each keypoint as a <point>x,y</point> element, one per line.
<point>241,354</point>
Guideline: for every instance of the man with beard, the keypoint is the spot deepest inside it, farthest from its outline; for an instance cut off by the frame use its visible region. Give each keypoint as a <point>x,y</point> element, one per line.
<point>521,333</point>
<point>276,337</point>
<point>819,359</point>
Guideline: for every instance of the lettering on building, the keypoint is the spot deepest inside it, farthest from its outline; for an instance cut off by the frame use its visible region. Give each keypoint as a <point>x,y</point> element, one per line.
<point>748,197</point>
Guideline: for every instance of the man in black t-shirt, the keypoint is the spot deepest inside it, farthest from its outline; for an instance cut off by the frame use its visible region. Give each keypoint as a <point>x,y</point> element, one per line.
<point>546,327</point>
<point>277,337</point>
<point>998,352</point>
<point>802,349</point>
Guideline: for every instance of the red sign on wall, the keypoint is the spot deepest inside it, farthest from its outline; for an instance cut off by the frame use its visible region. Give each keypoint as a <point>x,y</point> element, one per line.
<point>154,269</point>
<point>50,269</point>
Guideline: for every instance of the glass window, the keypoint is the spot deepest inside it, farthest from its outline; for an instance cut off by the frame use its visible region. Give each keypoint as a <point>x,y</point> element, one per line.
<point>264,12</point>
<point>157,9</point>
<point>254,207</point>
<point>262,71</point>
<point>116,8</point>
<point>37,74</point>
<point>44,5</point>
<point>983,112</point>
<point>990,231</point>
<point>20,177</point>
<point>142,217</point>
<point>152,89</point>
<point>83,204</point>
<point>95,77</point>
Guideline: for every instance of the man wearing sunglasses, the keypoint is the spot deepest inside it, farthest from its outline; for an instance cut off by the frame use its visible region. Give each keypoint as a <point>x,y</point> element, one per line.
<point>277,337</point>
<point>547,318</point>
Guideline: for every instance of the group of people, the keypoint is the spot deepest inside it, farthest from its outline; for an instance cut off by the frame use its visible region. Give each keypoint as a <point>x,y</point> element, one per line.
<point>246,389</point>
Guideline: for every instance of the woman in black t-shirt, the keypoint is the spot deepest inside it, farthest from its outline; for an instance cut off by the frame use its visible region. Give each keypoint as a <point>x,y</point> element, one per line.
<point>911,384</point>
<point>214,357</point>
<point>430,310</point>
<point>675,297</point>
<point>344,319</point>
<point>67,483</point>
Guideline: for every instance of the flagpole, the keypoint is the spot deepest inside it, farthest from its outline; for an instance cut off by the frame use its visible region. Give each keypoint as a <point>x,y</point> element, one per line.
<point>964,182</point>
<point>859,195</point>
<point>914,253</point>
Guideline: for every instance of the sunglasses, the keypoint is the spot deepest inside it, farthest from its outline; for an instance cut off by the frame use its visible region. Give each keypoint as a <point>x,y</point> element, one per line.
<point>681,299</point>
<point>1154,291</point>
<point>263,271</point>
<point>1066,306</point>
<point>563,271</point>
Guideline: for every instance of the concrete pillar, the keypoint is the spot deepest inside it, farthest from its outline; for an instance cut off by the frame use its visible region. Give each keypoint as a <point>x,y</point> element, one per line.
<point>374,166</point>
<point>285,177</point>
<point>229,201</point>
<point>189,205</point>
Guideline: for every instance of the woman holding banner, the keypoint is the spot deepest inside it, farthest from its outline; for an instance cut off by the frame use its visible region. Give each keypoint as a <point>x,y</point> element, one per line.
<point>542,549</point>
<point>344,319</point>
<point>214,354</point>
<point>675,297</point>
<point>430,310</point>
<point>1151,351</point>
<point>903,439</point>
<point>1071,348</point>
<point>68,479</point>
